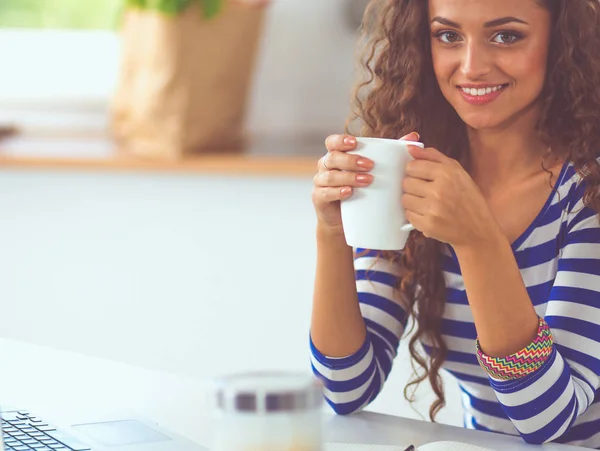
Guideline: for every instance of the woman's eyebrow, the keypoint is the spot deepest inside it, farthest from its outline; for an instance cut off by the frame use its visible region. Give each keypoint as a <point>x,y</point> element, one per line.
<point>503,21</point>
<point>490,24</point>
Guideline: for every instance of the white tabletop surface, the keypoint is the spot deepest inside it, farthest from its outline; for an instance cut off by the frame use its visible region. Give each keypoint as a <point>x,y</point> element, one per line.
<point>54,383</point>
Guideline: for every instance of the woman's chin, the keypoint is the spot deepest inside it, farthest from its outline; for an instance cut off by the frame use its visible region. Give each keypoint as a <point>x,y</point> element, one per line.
<point>480,122</point>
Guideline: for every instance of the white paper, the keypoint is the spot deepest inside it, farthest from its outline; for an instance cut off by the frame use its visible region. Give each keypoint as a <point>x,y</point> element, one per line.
<point>358,447</point>
<point>437,446</point>
<point>451,446</point>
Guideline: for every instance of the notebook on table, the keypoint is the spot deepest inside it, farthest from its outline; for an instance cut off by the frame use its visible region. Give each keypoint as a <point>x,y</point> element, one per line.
<point>436,446</point>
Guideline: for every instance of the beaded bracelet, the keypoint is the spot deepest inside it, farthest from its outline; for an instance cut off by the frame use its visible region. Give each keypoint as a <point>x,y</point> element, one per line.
<point>522,363</point>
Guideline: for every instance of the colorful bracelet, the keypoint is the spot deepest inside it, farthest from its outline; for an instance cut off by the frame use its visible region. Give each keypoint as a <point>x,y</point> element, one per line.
<point>522,363</point>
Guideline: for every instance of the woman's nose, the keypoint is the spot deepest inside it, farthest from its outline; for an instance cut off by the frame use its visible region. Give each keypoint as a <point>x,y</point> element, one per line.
<point>476,61</point>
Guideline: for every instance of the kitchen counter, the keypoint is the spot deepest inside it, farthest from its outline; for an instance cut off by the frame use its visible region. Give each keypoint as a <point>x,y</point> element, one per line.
<point>273,156</point>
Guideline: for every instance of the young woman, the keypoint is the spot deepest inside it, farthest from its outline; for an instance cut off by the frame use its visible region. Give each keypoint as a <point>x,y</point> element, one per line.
<point>501,279</point>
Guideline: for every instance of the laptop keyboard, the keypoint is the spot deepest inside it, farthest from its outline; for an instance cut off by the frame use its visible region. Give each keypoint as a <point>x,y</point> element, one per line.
<point>24,432</point>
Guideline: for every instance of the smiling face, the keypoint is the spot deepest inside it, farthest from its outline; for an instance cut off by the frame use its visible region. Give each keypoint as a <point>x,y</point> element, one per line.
<point>490,57</point>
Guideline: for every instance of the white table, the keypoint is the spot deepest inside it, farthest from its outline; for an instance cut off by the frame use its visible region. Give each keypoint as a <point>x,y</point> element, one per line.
<point>54,383</point>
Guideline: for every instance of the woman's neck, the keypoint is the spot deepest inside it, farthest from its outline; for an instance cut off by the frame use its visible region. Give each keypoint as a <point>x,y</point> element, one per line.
<point>504,155</point>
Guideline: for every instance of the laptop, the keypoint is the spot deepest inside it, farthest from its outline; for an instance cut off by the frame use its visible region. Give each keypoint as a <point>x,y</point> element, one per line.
<point>23,431</point>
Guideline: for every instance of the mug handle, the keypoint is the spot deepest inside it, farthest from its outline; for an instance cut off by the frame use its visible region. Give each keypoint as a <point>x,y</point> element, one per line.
<point>407,228</point>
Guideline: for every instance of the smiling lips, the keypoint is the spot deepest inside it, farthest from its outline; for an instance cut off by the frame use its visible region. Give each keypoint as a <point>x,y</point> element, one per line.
<point>481,94</point>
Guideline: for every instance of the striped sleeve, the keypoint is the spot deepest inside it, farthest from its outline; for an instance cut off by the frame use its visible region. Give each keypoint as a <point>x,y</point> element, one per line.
<point>544,404</point>
<point>351,383</point>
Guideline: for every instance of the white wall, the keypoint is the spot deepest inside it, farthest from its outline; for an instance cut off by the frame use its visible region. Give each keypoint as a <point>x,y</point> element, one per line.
<point>305,71</point>
<point>194,275</point>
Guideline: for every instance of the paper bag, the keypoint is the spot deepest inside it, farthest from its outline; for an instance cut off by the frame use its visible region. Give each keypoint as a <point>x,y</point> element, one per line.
<point>184,81</point>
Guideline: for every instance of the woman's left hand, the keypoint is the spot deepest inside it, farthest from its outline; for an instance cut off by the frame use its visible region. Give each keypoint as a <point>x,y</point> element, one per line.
<point>443,202</point>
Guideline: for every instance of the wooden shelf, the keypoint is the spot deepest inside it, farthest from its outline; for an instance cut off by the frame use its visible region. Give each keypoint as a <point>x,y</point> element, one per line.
<point>265,157</point>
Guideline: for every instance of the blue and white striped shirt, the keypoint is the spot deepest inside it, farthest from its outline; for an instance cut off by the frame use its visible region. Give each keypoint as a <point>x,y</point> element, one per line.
<point>559,260</point>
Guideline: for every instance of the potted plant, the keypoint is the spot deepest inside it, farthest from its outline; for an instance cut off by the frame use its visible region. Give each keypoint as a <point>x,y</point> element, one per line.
<point>185,74</point>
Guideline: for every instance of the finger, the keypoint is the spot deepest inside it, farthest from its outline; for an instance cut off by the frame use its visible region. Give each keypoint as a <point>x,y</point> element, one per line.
<point>338,160</point>
<point>342,178</point>
<point>330,194</point>
<point>415,219</point>
<point>414,204</point>
<point>416,187</point>
<point>423,169</point>
<point>429,153</point>
<point>340,143</point>
<point>412,136</point>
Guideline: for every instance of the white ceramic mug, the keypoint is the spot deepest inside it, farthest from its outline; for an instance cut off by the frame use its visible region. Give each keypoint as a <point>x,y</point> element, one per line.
<point>373,217</point>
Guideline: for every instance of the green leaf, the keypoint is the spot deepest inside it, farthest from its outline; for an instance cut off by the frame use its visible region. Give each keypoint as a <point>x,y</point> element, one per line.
<point>210,8</point>
<point>136,3</point>
<point>169,7</point>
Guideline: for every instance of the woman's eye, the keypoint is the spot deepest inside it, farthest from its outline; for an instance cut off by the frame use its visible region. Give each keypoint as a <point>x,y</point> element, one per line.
<point>448,37</point>
<point>506,38</point>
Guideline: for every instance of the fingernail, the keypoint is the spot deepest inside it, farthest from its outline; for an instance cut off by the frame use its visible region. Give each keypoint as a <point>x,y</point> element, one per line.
<point>364,163</point>
<point>418,136</point>
<point>363,178</point>
<point>345,191</point>
<point>349,140</point>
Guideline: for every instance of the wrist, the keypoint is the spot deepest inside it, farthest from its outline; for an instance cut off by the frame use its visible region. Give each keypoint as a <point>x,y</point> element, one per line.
<point>330,233</point>
<point>493,243</point>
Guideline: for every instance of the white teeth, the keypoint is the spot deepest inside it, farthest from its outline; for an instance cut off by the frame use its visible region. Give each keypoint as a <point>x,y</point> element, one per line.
<point>482,91</point>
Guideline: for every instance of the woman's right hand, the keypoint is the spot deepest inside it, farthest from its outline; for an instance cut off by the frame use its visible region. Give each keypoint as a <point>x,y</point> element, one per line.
<point>338,174</point>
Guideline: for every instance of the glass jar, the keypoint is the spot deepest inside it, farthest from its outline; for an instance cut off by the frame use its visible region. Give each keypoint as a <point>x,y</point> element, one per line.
<point>267,412</point>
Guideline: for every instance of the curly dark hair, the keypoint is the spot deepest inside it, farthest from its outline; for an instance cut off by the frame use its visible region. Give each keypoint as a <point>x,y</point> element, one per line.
<point>400,94</point>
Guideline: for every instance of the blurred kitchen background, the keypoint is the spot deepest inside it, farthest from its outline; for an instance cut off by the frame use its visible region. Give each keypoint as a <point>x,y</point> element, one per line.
<point>61,58</point>
<point>199,266</point>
